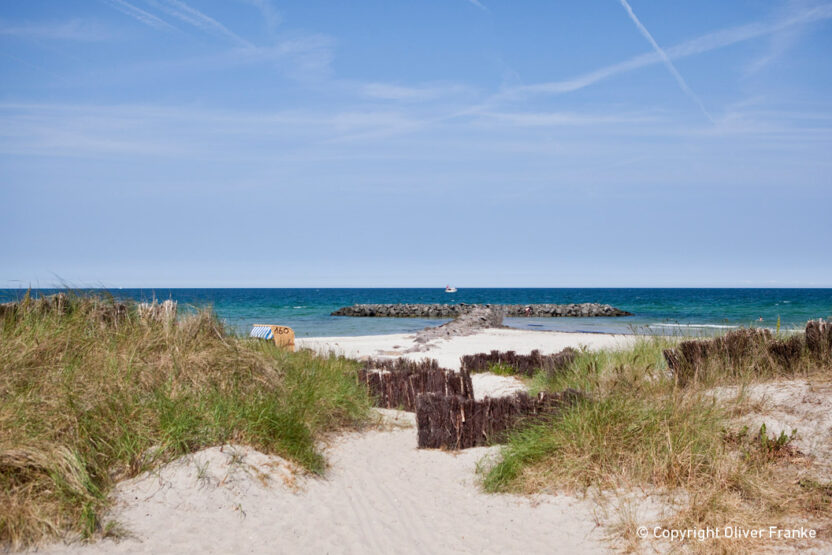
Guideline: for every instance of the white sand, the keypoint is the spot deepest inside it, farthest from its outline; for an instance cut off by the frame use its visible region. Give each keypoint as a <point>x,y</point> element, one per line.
<point>800,406</point>
<point>448,352</point>
<point>381,495</point>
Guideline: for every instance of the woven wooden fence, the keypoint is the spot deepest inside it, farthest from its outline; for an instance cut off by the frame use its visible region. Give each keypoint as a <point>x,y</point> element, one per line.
<point>819,339</point>
<point>690,359</point>
<point>750,347</point>
<point>456,422</point>
<point>397,384</point>
<point>526,365</point>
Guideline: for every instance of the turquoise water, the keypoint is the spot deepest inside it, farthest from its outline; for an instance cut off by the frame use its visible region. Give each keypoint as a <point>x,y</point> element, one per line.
<point>693,311</point>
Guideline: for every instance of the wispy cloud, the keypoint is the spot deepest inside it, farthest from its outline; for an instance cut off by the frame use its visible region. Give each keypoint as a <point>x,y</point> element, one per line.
<point>75,29</point>
<point>140,15</point>
<point>270,14</point>
<point>195,18</point>
<point>699,45</point>
<point>781,41</point>
<point>388,91</point>
<point>564,119</point>
<point>478,4</point>
<point>305,59</point>
<point>665,58</point>
<point>100,131</point>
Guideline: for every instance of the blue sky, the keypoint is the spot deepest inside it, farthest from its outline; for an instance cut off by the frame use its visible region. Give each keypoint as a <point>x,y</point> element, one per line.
<point>403,143</point>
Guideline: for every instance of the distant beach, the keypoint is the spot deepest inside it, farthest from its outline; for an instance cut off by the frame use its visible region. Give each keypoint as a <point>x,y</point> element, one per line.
<point>655,311</point>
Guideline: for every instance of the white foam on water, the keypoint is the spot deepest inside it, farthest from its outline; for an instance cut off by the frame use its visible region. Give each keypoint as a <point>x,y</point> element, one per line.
<point>713,326</point>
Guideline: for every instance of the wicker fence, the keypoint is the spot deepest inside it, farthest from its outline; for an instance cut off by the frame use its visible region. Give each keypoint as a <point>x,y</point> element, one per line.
<point>456,422</point>
<point>749,348</point>
<point>526,365</point>
<point>396,384</point>
<point>819,339</point>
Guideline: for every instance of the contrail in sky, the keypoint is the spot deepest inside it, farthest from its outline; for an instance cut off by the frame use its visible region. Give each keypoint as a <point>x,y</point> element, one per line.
<point>139,14</point>
<point>666,59</point>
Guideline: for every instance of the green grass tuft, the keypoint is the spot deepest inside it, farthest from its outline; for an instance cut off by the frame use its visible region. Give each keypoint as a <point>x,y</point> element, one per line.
<point>91,394</point>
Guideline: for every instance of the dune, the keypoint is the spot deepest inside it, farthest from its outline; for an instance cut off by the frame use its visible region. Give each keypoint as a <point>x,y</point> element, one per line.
<point>380,495</point>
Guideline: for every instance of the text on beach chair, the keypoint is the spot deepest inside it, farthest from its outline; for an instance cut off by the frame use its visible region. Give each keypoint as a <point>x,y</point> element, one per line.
<point>283,336</point>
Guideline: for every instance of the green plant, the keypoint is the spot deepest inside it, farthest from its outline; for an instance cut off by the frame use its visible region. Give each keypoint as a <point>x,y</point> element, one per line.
<point>92,394</point>
<point>772,447</point>
<point>501,369</point>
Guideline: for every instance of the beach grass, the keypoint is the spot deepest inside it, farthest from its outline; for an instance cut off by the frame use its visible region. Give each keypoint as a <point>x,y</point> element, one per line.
<point>639,430</point>
<point>92,394</point>
<point>502,369</point>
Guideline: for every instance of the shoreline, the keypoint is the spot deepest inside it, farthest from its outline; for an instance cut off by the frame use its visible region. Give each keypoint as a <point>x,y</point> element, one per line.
<point>661,329</point>
<point>449,351</point>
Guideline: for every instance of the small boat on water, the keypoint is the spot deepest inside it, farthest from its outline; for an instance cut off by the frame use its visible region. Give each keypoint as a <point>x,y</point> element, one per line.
<point>449,289</point>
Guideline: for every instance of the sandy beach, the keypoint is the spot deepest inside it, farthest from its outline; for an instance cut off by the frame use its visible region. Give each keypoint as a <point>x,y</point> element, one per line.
<point>449,351</point>
<point>380,494</point>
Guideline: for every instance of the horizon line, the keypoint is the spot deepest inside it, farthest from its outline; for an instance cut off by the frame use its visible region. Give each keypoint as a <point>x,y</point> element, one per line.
<point>107,288</point>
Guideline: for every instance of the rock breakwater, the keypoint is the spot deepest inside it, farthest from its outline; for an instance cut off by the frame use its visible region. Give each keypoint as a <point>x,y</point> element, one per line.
<point>467,323</point>
<point>455,310</point>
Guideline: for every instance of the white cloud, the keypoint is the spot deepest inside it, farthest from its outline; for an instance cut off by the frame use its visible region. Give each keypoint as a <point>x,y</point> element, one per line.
<point>101,131</point>
<point>75,29</point>
<point>305,58</point>
<point>388,91</point>
<point>478,4</point>
<point>781,41</point>
<point>560,119</point>
<point>270,14</point>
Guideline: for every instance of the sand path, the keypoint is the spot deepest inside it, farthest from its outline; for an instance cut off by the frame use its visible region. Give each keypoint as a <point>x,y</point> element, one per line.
<point>381,495</point>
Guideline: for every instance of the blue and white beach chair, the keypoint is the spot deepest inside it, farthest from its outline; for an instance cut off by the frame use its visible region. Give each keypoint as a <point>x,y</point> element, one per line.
<point>283,336</point>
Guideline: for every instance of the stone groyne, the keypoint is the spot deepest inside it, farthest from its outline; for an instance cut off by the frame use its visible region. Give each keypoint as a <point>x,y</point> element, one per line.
<point>455,310</point>
<point>467,323</point>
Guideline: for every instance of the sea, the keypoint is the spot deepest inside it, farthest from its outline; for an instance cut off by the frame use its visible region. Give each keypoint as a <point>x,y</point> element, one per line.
<point>656,311</point>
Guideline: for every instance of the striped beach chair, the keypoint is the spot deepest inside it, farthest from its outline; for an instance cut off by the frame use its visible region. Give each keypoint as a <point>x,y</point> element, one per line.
<point>283,336</point>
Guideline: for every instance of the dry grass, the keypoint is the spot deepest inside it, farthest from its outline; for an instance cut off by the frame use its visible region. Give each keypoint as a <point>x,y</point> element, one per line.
<point>640,430</point>
<point>91,394</point>
<point>747,354</point>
